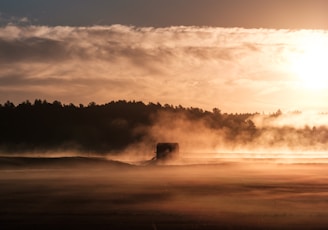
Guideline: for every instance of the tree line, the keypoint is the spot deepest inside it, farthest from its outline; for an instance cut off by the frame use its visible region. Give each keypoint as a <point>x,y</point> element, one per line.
<point>43,125</point>
<point>110,127</point>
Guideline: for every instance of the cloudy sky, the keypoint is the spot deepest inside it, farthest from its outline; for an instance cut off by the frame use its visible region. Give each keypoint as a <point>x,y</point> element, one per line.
<point>237,55</point>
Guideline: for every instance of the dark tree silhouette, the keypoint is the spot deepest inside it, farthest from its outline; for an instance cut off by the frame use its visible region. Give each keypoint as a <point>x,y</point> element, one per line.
<point>112,126</point>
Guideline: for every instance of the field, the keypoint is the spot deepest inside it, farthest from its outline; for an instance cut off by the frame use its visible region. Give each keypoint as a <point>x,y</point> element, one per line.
<point>94,193</point>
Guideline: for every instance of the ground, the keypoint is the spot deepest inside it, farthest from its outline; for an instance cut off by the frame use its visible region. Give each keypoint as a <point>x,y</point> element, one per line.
<point>222,195</point>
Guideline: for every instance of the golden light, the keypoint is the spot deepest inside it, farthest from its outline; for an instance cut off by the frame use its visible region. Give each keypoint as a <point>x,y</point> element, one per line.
<point>310,62</point>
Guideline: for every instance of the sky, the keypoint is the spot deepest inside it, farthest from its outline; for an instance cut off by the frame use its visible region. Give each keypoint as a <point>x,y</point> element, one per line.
<point>236,55</point>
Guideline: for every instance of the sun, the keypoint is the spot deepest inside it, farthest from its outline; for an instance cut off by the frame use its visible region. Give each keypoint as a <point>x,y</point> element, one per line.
<point>310,62</point>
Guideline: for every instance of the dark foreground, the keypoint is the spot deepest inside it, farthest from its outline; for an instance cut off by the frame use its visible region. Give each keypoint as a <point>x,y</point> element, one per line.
<point>82,193</point>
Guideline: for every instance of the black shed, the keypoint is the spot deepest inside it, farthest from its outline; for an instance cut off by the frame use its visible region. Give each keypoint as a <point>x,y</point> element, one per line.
<point>167,150</point>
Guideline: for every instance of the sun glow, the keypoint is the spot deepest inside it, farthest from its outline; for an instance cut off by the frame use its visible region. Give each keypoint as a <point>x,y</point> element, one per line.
<point>310,61</point>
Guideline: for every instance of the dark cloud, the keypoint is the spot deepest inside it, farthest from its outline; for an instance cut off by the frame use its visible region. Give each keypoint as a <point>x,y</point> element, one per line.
<point>31,50</point>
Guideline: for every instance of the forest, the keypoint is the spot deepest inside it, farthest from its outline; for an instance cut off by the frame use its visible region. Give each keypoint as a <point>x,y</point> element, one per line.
<point>112,127</point>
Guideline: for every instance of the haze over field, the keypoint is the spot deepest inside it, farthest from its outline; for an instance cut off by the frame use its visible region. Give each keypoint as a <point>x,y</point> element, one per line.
<point>87,193</point>
<point>133,128</point>
<point>87,89</point>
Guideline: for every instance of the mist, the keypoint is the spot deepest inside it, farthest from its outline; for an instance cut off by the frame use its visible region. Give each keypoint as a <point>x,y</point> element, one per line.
<point>249,171</point>
<point>112,131</point>
<point>82,109</point>
<point>285,137</point>
<point>87,194</point>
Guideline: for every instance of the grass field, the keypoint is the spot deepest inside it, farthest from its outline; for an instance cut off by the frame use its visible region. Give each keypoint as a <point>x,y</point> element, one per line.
<point>89,193</point>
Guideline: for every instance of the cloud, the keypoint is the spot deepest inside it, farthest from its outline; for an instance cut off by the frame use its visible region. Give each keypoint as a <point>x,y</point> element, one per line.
<point>32,49</point>
<point>235,69</point>
<point>5,19</point>
<point>295,119</point>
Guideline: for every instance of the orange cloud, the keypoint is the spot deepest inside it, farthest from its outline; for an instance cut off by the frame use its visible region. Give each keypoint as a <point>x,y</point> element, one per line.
<point>235,69</point>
